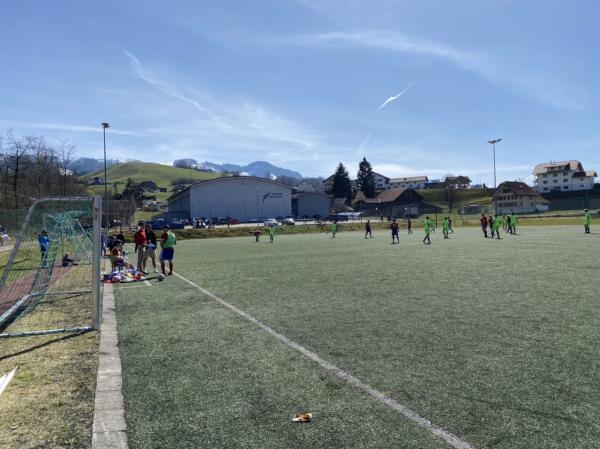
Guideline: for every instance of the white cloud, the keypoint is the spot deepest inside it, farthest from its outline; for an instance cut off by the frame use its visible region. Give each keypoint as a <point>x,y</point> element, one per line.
<point>215,125</point>
<point>535,85</point>
<point>67,127</point>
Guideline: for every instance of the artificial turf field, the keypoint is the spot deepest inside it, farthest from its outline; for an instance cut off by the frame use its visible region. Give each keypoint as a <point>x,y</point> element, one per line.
<point>496,342</point>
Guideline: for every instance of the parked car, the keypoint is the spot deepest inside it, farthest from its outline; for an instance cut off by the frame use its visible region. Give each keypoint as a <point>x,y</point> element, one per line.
<point>289,221</point>
<point>271,222</point>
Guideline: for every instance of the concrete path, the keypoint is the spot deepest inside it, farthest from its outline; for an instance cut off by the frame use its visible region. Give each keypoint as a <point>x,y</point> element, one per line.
<point>109,431</point>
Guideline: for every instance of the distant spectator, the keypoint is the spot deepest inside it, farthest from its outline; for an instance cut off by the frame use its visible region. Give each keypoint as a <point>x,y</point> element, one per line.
<point>3,237</point>
<point>44,242</point>
<point>66,260</point>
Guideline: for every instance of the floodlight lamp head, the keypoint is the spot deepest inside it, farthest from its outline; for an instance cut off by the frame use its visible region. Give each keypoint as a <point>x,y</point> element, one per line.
<point>105,125</point>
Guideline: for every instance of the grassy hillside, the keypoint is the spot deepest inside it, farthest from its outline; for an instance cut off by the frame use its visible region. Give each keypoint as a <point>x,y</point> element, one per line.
<point>162,175</point>
<point>438,197</point>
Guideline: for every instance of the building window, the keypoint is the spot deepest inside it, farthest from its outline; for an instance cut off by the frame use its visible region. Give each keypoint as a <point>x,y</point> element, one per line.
<point>545,189</point>
<point>545,182</point>
<point>555,175</point>
<point>565,180</point>
<point>566,187</point>
<point>582,185</point>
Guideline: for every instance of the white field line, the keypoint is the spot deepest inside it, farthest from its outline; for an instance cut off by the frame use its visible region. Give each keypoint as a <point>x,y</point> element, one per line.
<point>448,437</point>
<point>5,380</point>
<point>147,283</point>
<point>134,286</point>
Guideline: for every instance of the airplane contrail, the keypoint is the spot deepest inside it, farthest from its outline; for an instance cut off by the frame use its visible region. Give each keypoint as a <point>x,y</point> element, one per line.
<point>364,142</point>
<point>395,97</point>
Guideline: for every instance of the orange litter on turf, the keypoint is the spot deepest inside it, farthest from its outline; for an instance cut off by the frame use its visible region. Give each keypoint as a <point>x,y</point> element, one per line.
<point>302,417</point>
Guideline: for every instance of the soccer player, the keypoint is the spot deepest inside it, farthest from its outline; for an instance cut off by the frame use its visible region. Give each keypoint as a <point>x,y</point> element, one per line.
<point>257,234</point>
<point>409,225</point>
<point>271,233</point>
<point>587,221</point>
<point>484,223</point>
<point>427,229</point>
<point>514,221</point>
<point>496,224</point>
<point>450,225</point>
<point>368,230</point>
<point>394,228</point>
<point>505,222</point>
<point>333,228</point>
<point>167,243</point>
<point>446,227</point>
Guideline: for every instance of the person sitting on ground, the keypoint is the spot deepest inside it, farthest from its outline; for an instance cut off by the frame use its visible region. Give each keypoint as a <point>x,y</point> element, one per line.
<point>66,261</point>
<point>116,257</point>
<point>4,237</point>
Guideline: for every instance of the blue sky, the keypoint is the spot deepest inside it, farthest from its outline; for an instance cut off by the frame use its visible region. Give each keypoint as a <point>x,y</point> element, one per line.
<point>302,83</point>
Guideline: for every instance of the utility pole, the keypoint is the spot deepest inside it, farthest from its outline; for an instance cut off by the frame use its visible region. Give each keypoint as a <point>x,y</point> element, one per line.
<point>104,126</point>
<point>493,143</point>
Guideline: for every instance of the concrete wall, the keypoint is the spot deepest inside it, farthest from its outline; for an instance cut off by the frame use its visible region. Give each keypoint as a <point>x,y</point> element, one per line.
<point>240,197</point>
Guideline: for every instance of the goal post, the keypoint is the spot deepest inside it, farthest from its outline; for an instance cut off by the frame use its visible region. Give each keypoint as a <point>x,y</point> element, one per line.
<point>50,282</point>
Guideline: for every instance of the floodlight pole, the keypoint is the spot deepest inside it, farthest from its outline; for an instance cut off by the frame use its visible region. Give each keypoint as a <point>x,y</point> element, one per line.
<point>104,126</point>
<point>493,143</point>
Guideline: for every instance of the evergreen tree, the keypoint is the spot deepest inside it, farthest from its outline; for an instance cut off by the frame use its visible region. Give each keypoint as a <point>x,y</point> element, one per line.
<point>365,179</point>
<point>342,187</point>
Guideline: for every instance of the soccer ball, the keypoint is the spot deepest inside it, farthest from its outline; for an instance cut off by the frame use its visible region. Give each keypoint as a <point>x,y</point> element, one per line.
<point>161,277</point>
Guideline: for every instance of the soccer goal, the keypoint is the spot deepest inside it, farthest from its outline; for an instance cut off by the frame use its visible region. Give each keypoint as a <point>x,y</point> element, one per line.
<point>50,280</point>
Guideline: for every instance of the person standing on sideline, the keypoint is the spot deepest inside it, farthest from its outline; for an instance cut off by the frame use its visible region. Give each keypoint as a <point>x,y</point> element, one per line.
<point>514,221</point>
<point>446,227</point>
<point>150,247</point>
<point>427,229</point>
<point>368,230</point>
<point>333,228</point>
<point>271,233</point>
<point>394,228</point>
<point>139,238</point>
<point>587,221</point>
<point>44,242</point>
<point>167,254</point>
<point>409,225</point>
<point>484,223</point>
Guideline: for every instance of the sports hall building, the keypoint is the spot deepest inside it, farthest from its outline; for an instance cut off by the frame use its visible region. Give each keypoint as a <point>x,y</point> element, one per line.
<point>242,197</point>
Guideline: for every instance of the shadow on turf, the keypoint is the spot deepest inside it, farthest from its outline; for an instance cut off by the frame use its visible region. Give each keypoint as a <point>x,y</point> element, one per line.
<point>42,345</point>
<point>521,409</point>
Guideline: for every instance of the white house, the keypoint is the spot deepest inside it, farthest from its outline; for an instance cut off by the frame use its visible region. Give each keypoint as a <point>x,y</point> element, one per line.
<point>410,182</point>
<point>520,198</point>
<point>564,176</point>
<point>381,182</point>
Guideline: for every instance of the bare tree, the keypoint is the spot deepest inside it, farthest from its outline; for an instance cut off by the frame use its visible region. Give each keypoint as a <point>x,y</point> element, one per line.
<point>65,153</point>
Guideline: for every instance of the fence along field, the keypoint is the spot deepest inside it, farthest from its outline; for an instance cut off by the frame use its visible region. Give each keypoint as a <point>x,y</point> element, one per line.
<point>38,293</point>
